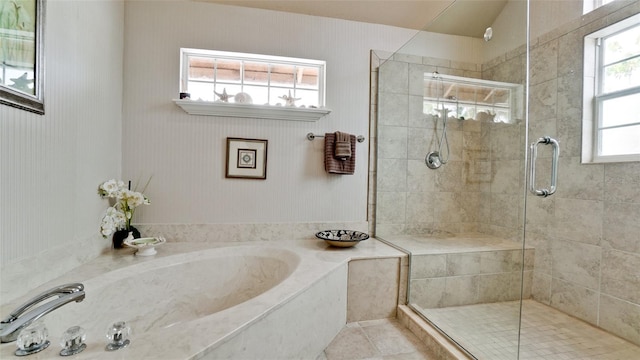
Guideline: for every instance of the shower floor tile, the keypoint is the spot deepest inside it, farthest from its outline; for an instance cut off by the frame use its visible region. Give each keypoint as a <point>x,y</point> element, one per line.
<point>376,340</point>
<point>490,332</point>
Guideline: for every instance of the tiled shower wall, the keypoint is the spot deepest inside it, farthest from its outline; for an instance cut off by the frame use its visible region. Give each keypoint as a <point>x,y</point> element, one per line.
<point>586,236</point>
<point>478,189</point>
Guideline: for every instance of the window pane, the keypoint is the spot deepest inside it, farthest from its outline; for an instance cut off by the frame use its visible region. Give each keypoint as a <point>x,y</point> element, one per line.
<point>432,88</point>
<point>620,111</point>
<point>307,77</point>
<point>201,90</point>
<point>259,94</point>
<point>622,75</point>
<point>307,97</point>
<point>622,45</point>
<point>228,71</point>
<point>620,141</point>
<point>275,96</point>
<point>256,73</point>
<point>467,111</point>
<point>428,107</point>
<point>502,116</point>
<point>501,97</point>
<point>201,68</point>
<point>467,93</point>
<point>282,75</point>
<point>231,90</point>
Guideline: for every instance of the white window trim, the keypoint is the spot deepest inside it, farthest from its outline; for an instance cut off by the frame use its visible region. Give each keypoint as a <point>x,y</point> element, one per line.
<point>590,5</point>
<point>591,103</point>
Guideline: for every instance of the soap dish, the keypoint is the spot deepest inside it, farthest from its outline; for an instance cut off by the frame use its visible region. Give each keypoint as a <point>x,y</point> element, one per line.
<point>342,238</point>
<point>146,246</point>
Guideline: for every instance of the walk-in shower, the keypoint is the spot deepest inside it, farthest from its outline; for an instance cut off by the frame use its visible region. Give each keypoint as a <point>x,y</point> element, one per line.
<point>496,264</point>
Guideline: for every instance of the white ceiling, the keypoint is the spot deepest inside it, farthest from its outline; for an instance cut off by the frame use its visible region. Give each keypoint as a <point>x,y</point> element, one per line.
<point>462,17</point>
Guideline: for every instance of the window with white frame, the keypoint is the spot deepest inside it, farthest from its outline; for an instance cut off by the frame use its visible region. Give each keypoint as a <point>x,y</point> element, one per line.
<point>613,122</point>
<point>590,5</point>
<point>267,80</point>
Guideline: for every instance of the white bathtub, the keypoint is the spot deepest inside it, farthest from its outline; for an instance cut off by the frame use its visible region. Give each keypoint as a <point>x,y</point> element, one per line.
<point>247,301</point>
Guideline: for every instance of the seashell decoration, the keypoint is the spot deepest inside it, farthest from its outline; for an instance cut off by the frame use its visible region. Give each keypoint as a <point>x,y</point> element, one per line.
<point>243,98</point>
<point>224,97</point>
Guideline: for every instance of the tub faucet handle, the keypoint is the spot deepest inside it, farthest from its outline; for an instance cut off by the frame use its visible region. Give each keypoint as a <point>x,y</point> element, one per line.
<point>73,341</point>
<point>118,335</point>
<point>32,339</point>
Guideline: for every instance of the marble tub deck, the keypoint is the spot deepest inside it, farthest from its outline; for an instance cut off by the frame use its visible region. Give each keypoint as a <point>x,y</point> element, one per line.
<point>198,338</point>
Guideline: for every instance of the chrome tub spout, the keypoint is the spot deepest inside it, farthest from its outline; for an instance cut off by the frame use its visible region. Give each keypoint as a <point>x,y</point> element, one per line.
<point>27,313</point>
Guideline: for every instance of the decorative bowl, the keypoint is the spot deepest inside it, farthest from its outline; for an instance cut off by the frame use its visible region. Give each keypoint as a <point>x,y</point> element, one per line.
<point>342,238</point>
<point>146,246</point>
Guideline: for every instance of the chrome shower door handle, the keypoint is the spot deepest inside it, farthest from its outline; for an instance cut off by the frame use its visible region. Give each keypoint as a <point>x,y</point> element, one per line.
<point>533,151</point>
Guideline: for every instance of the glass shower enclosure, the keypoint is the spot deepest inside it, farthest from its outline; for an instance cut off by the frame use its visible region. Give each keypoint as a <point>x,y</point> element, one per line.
<point>450,175</point>
<point>520,246</point>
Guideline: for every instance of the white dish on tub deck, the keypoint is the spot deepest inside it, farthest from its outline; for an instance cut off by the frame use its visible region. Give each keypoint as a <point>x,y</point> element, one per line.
<point>146,246</point>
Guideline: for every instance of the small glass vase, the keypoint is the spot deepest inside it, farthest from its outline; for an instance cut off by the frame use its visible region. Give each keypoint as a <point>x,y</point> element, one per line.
<point>120,235</point>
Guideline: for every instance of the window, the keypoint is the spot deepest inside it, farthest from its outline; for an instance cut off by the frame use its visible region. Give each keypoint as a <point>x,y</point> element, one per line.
<point>614,121</point>
<point>267,80</point>
<point>469,98</point>
<point>590,5</point>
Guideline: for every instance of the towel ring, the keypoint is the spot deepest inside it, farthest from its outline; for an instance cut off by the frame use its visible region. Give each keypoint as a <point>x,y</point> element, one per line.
<point>312,136</point>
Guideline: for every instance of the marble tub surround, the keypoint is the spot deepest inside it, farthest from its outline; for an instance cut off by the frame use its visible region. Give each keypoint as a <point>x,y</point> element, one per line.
<point>42,267</point>
<point>246,232</point>
<point>317,285</point>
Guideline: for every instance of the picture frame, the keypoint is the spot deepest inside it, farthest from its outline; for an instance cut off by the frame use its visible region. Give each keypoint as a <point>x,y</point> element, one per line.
<point>22,54</point>
<point>246,158</point>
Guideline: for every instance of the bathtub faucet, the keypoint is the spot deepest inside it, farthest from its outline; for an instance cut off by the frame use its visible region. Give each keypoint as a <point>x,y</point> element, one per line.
<point>24,315</point>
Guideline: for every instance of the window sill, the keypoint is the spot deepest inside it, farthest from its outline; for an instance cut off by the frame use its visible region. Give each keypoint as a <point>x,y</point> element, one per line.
<point>269,112</point>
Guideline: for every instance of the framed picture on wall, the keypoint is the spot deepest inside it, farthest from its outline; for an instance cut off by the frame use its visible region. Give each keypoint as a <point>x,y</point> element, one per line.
<point>246,158</point>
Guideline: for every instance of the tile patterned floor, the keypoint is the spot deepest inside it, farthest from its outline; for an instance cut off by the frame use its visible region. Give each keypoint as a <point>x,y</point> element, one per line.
<point>376,340</point>
<point>489,331</point>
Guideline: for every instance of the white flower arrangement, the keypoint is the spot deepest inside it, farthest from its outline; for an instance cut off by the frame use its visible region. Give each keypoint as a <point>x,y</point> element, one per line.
<point>118,216</point>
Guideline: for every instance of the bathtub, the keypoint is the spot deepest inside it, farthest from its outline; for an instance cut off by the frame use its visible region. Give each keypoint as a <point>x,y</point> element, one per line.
<point>203,301</point>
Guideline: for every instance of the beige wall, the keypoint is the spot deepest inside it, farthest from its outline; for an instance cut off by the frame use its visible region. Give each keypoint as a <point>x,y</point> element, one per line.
<point>186,154</point>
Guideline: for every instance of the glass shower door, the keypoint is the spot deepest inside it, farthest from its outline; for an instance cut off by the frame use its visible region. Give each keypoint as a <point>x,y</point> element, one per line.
<point>451,160</point>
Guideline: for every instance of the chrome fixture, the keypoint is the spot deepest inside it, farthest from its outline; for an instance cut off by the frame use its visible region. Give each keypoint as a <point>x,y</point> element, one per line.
<point>24,315</point>
<point>118,335</point>
<point>435,159</point>
<point>312,136</point>
<point>533,150</point>
<point>32,339</point>
<point>72,341</point>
